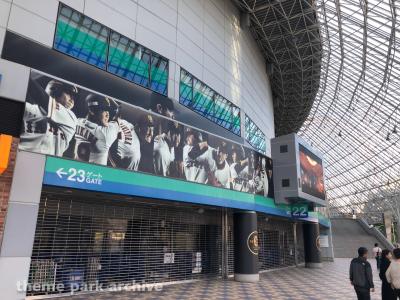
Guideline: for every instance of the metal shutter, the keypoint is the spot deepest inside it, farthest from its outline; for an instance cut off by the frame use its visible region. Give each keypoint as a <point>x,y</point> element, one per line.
<point>84,240</point>
<point>276,241</point>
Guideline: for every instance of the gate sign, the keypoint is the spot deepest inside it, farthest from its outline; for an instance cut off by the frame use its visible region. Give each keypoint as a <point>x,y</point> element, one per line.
<point>299,210</point>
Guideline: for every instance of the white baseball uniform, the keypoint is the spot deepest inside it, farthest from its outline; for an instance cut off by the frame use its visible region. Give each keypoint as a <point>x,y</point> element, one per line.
<point>47,132</point>
<point>197,169</point>
<point>223,175</point>
<point>128,148</point>
<point>240,180</point>
<point>163,155</point>
<point>100,138</point>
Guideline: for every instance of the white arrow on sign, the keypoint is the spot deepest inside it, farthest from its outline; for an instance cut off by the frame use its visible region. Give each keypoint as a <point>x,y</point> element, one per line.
<point>60,172</point>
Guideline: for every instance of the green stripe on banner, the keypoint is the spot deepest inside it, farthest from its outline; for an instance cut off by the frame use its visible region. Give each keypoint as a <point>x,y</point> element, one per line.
<point>146,180</point>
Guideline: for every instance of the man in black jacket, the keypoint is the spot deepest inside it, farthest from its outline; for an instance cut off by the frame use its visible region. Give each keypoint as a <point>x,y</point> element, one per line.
<point>361,275</point>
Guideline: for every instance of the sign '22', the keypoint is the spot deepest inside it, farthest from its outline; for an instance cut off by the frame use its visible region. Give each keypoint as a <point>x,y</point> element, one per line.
<point>300,211</point>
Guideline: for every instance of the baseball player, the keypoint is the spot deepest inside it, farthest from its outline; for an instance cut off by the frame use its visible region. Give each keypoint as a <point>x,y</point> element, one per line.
<point>146,138</point>
<point>222,173</point>
<point>197,158</point>
<point>239,170</point>
<point>165,146</point>
<point>49,123</point>
<point>96,133</point>
<point>125,153</point>
<point>163,106</point>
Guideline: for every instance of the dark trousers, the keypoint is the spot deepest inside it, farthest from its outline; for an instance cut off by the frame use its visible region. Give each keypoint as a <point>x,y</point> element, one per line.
<point>396,293</point>
<point>378,262</point>
<point>363,293</point>
<point>387,292</point>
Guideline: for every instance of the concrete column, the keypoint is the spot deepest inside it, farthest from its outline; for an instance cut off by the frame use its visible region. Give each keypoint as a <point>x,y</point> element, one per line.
<point>312,250</point>
<point>20,224</point>
<point>246,246</point>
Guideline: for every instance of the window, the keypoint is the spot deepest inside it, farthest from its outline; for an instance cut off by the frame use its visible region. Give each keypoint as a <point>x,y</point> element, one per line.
<point>236,120</point>
<point>254,135</point>
<point>159,74</point>
<point>81,37</point>
<point>129,60</point>
<point>93,43</point>
<point>205,101</point>
<point>186,88</point>
<point>223,112</point>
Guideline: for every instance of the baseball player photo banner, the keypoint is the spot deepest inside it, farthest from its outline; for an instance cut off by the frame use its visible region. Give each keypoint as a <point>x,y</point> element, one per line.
<point>65,120</point>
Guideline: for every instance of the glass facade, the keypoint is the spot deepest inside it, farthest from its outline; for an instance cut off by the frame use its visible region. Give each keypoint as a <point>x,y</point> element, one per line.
<point>205,101</point>
<point>254,135</point>
<point>93,43</point>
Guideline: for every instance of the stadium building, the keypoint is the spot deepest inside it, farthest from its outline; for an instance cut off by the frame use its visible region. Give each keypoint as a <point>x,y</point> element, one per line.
<point>153,142</point>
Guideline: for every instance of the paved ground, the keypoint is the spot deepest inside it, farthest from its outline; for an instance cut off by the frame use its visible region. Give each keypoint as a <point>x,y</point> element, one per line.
<point>330,282</point>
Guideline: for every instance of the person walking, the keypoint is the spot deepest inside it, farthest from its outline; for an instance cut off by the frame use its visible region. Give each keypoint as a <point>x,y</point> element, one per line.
<point>393,273</point>
<point>377,253</point>
<point>387,291</point>
<point>361,275</point>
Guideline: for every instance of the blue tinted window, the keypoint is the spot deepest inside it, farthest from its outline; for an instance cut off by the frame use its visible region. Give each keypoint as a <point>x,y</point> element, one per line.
<point>254,135</point>
<point>81,37</point>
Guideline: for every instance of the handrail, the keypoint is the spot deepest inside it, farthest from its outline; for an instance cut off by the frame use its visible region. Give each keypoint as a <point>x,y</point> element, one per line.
<point>376,233</point>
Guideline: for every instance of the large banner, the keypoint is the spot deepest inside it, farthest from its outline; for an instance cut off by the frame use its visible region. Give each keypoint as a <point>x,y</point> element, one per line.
<point>65,120</point>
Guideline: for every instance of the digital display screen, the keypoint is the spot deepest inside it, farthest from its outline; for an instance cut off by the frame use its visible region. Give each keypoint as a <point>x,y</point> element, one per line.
<point>311,173</point>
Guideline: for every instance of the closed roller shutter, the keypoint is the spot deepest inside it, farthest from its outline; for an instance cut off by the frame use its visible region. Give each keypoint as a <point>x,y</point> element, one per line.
<point>276,241</point>
<point>88,240</point>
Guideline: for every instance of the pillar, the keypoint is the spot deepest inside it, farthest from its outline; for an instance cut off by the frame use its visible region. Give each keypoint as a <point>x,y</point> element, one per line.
<point>312,250</point>
<point>246,246</point>
<point>20,224</point>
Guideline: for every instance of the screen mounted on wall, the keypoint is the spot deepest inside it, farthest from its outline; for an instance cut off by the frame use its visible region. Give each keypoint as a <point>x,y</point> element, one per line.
<point>311,173</point>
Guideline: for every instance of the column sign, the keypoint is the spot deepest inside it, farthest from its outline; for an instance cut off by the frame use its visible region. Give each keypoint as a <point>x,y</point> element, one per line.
<point>299,211</point>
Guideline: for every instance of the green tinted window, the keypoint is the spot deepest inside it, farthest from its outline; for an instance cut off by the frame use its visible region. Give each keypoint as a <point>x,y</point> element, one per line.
<point>129,59</point>
<point>203,99</point>
<point>159,74</point>
<point>186,88</point>
<point>81,37</point>
<point>254,135</point>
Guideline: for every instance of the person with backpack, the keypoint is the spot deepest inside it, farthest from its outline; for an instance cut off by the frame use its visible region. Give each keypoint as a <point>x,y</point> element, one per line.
<point>361,275</point>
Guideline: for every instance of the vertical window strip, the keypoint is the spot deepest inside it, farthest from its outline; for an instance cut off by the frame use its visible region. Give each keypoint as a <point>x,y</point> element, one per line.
<point>159,74</point>
<point>254,135</point>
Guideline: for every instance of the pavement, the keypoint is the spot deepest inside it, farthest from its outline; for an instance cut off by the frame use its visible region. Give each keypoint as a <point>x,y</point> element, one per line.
<point>297,283</point>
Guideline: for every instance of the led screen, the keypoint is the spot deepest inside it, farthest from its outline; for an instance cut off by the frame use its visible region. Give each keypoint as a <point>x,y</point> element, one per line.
<point>311,173</point>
